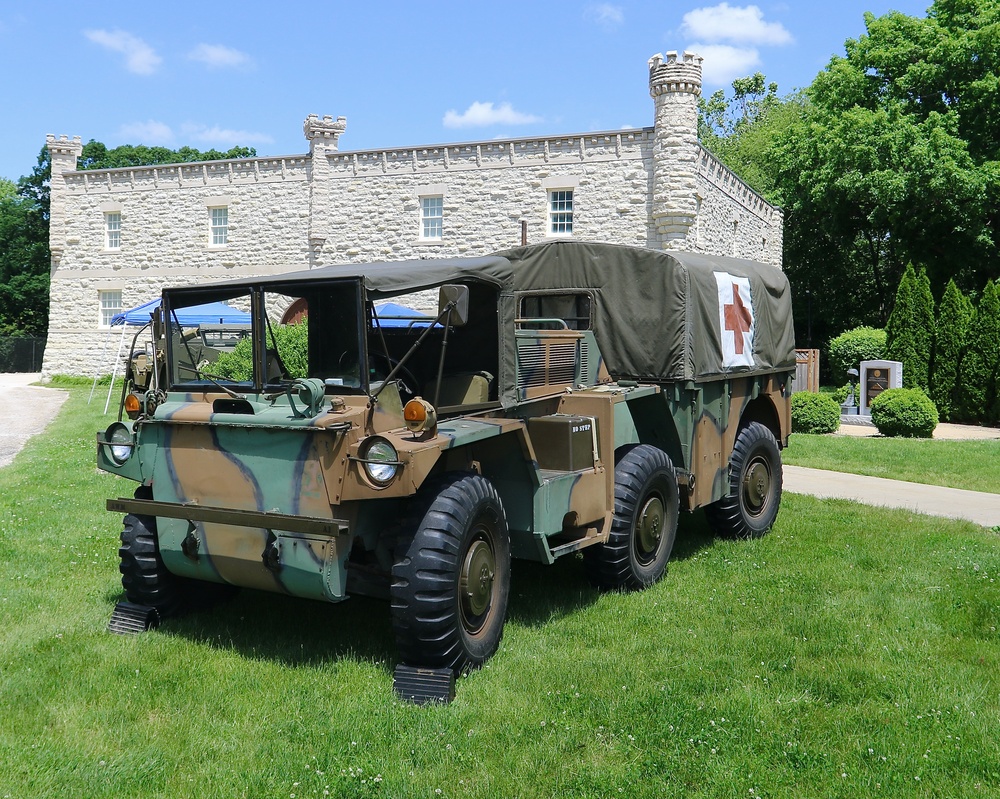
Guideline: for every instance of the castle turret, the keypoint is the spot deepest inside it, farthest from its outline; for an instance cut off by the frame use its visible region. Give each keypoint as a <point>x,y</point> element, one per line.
<point>323,134</point>
<point>675,86</point>
<point>63,154</point>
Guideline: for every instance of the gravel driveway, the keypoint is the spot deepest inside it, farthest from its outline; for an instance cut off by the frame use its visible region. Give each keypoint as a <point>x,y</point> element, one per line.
<point>24,411</point>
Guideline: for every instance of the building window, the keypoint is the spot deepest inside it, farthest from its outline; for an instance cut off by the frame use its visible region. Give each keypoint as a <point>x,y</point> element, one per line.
<point>112,231</point>
<point>431,218</point>
<point>219,226</point>
<point>111,305</point>
<point>561,212</point>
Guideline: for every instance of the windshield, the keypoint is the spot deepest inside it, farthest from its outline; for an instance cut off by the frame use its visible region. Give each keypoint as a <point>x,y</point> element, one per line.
<point>263,339</point>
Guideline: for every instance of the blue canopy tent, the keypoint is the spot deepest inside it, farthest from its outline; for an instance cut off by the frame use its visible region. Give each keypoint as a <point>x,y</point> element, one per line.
<point>213,313</point>
<point>217,313</point>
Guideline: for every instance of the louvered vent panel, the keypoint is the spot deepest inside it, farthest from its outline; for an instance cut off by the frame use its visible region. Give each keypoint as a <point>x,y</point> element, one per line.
<point>549,364</point>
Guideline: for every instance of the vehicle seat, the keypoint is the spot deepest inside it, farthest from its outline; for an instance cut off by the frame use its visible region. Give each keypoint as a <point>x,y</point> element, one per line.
<point>466,388</point>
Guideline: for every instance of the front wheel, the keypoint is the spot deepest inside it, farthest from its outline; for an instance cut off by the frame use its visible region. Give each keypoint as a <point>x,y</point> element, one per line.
<point>644,525</point>
<point>754,496</point>
<point>451,580</point>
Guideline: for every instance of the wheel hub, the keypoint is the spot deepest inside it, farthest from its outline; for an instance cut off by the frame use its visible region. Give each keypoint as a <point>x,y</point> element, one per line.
<point>476,583</point>
<point>650,524</point>
<point>756,485</point>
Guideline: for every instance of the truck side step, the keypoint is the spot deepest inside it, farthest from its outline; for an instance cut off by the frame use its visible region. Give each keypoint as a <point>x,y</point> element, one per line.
<point>129,619</point>
<point>421,686</point>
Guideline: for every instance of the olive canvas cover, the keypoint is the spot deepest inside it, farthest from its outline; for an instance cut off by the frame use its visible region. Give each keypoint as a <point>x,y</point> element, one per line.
<point>660,315</point>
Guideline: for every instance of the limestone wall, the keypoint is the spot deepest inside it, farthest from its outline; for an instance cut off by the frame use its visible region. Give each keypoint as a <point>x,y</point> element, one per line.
<point>651,187</point>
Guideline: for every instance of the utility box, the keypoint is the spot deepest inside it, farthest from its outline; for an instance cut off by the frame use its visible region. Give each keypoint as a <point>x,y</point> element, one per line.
<point>565,443</point>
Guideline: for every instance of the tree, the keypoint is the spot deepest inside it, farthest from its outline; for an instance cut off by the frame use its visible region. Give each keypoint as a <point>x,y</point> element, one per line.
<point>909,333</point>
<point>950,334</point>
<point>24,264</point>
<point>96,155</point>
<point>891,156</point>
<point>978,370</point>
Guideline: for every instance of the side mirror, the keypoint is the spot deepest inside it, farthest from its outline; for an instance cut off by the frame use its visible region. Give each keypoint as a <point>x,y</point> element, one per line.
<point>459,295</point>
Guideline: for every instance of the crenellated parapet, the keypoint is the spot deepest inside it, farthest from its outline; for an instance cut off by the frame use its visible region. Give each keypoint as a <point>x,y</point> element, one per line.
<point>669,75</point>
<point>323,132</point>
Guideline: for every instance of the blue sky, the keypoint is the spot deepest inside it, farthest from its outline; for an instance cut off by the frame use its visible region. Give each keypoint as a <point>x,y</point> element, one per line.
<point>221,74</point>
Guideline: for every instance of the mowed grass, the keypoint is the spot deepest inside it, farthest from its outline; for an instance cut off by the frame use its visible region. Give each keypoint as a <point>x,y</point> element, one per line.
<point>972,465</point>
<point>852,652</point>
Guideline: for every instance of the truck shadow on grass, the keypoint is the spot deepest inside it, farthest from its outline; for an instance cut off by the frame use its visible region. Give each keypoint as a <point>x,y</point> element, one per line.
<point>299,632</point>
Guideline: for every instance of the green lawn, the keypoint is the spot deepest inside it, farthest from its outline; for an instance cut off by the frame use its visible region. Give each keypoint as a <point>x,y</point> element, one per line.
<point>853,652</point>
<point>972,465</point>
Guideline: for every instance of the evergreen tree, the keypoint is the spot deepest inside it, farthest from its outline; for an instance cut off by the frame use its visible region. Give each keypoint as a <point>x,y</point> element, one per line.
<point>911,327</point>
<point>951,333</point>
<point>978,370</point>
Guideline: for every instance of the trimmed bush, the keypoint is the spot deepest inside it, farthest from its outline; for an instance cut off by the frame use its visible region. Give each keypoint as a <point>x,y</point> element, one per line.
<point>851,348</point>
<point>904,412</point>
<point>814,413</point>
<point>293,347</point>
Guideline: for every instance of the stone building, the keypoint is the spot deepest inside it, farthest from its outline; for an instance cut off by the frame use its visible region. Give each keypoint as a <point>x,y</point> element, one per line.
<point>118,236</point>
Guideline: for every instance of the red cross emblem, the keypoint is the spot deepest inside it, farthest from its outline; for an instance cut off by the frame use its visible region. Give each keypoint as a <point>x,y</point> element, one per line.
<point>738,318</point>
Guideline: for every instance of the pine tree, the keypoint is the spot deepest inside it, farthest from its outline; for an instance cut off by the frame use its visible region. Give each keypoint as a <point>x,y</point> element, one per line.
<point>978,369</point>
<point>950,335</point>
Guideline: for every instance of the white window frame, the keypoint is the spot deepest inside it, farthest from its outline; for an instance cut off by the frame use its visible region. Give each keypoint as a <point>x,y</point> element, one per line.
<point>109,305</point>
<point>432,217</point>
<point>112,230</point>
<point>560,204</point>
<point>218,234</point>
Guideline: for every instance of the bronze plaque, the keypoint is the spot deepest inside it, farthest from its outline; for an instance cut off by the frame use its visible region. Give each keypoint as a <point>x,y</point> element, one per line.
<point>877,381</point>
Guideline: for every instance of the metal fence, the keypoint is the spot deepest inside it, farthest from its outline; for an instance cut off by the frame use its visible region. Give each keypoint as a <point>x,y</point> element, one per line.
<point>21,354</point>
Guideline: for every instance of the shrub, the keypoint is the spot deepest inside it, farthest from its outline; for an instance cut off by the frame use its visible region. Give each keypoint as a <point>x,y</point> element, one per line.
<point>905,412</point>
<point>292,346</point>
<point>860,344</point>
<point>841,394</point>
<point>814,413</point>
<point>977,371</point>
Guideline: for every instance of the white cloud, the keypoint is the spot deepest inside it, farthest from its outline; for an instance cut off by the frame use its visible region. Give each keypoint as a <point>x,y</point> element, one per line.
<point>223,137</point>
<point>736,24</point>
<point>724,63</point>
<point>481,115</point>
<point>219,56</point>
<point>150,132</point>
<point>140,58</point>
<point>606,15</point>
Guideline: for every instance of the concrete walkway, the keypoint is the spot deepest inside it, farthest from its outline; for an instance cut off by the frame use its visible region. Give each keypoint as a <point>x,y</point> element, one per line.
<point>25,410</point>
<point>952,503</point>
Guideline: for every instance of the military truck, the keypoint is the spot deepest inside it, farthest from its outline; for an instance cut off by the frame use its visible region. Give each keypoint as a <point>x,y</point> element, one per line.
<point>566,397</point>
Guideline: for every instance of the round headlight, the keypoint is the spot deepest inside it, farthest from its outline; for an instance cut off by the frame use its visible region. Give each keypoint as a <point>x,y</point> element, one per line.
<point>120,440</point>
<point>381,461</point>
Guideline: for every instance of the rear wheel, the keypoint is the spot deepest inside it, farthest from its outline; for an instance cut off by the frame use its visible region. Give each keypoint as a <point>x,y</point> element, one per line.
<point>754,486</point>
<point>451,580</point>
<point>145,578</point>
<point>644,525</point>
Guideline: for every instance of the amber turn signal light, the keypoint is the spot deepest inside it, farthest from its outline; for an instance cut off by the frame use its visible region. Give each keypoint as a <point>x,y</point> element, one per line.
<point>419,415</point>
<point>132,406</point>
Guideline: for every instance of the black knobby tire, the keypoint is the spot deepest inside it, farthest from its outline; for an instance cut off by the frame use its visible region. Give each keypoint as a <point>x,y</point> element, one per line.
<point>451,580</point>
<point>754,486</point>
<point>145,577</point>
<point>644,525</point>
